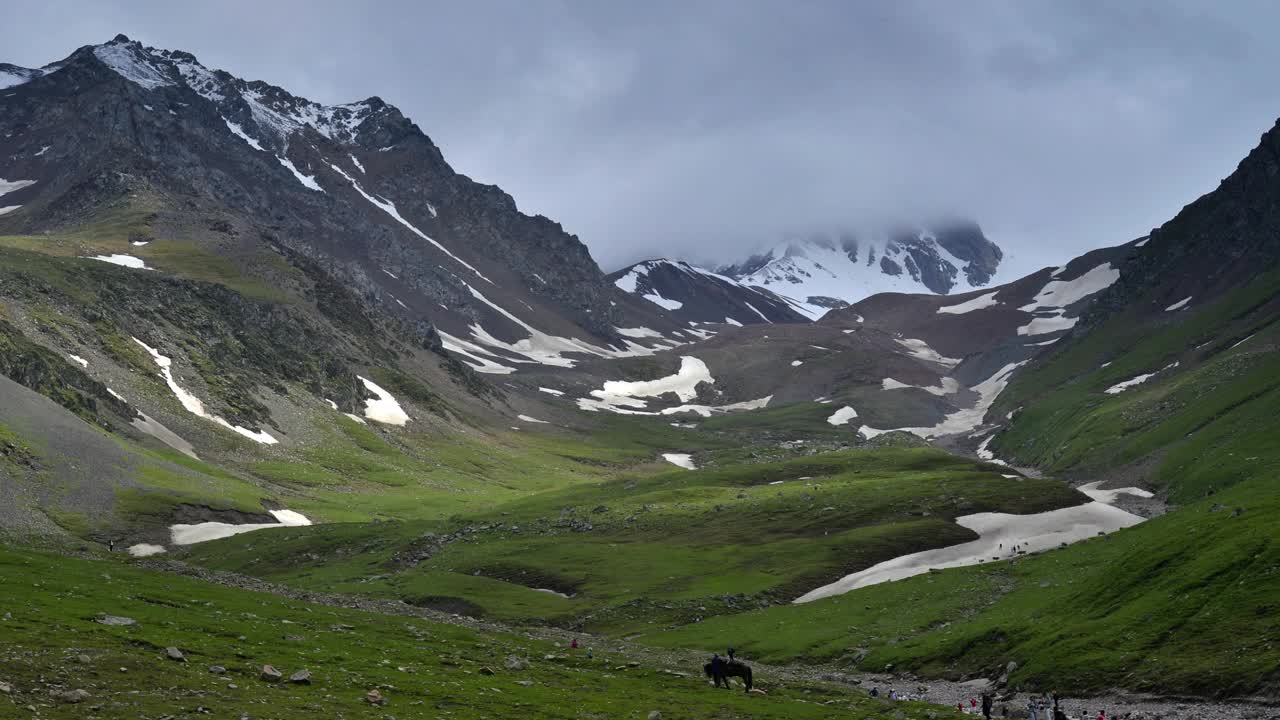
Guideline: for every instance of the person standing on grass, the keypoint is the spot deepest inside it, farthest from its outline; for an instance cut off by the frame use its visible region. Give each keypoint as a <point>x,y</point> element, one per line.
<point>573,645</point>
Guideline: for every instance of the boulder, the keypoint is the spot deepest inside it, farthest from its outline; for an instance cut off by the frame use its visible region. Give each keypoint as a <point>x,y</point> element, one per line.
<point>270,674</point>
<point>217,670</point>
<point>654,715</point>
<point>302,677</point>
<point>5,688</point>
<point>374,697</point>
<point>72,697</point>
<point>174,654</point>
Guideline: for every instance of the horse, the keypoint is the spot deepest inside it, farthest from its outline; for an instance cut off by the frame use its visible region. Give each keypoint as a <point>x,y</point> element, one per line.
<point>728,670</point>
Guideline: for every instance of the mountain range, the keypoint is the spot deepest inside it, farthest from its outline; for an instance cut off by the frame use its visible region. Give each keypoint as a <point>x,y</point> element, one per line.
<point>227,308</point>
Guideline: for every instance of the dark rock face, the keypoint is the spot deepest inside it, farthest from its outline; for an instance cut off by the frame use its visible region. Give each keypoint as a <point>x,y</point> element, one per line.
<point>357,190</point>
<point>965,240</point>
<point>704,297</point>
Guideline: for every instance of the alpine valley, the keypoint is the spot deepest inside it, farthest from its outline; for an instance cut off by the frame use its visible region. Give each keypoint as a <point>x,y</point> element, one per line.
<point>296,420</point>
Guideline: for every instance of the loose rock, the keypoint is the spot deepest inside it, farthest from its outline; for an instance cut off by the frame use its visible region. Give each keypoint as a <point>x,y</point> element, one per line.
<point>374,697</point>
<point>270,674</point>
<point>302,677</point>
<point>115,620</point>
<point>514,662</point>
<point>174,654</point>
<point>72,697</point>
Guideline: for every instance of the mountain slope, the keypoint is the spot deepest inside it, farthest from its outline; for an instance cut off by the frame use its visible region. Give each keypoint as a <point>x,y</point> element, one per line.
<point>697,296</point>
<point>826,272</point>
<point>358,188</point>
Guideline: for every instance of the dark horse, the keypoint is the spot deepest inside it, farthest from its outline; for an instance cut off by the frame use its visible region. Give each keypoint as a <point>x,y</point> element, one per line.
<point>728,670</point>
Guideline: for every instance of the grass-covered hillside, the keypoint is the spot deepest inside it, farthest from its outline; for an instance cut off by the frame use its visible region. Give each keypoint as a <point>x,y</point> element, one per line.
<point>59,660</point>
<point>645,551</point>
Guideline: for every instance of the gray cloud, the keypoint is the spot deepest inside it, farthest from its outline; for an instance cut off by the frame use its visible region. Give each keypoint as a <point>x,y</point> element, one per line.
<point>705,129</point>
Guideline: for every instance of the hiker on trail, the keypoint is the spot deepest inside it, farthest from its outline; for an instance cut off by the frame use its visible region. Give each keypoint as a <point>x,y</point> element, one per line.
<point>1031,709</point>
<point>973,704</point>
<point>875,692</point>
<point>590,655</point>
<point>1102,715</point>
<point>111,545</point>
<point>986,706</point>
<point>731,652</point>
<point>574,644</point>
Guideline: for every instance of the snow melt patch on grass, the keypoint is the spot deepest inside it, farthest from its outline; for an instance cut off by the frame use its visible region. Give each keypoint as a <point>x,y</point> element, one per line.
<point>384,409</point>
<point>128,261</point>
<point>1131,382</point>
<point>842,416</point>
<point>998,533</point>
<point>145,550</point>
<point>978,303</point>
<point>526,418</point>
<point>1179,305</point>
<point>683,460</point>
<point>192,404</point>
<point>1109,496</point>
<point>206,531</point>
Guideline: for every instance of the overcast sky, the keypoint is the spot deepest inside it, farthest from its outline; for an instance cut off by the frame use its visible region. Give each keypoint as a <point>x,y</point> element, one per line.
<point>705,129</point>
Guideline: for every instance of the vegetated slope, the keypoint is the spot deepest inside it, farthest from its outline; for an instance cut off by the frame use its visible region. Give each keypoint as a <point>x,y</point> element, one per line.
<point>650,550</point>
<point>698,296</point>
<point>56,643</point>
<point>824,272</point>
<point>1169,382</point>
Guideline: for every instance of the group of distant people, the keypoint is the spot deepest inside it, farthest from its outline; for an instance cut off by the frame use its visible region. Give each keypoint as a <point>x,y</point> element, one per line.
<point>1044,707</point>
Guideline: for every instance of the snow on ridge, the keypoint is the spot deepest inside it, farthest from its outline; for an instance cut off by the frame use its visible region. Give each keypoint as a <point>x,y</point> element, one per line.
<point>240,133</point>
<point>193,404</point>
<point>978,303</point>
<point>308,181</point>
<point>8,186</point>
<point>128,63</point>
<point>920,349</point>
<point>389,208</point>
<point>949,386</point>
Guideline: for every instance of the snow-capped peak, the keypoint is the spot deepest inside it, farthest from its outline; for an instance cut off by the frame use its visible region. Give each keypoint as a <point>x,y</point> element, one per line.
<point>830,271</point>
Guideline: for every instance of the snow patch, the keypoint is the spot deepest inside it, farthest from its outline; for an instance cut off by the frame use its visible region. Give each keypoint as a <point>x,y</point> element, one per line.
<point>128,261</point>
<point>1109,496</point>
<point>797,363</point>
<point>730,321</point>
<point>389,208</point>
<point>550,391</point>
<point>1131,382</point>
<point>122,58</point>
<point>83,363</point>
<point>308,181</point>
<point>384,409</point>
<point>8,186</point>
<point>1179,305</point>
<point>920,349</point>
<point>240,133</point>
<point>192,404</point>
<point>660,301</point>
<point>949,386</point>
<point>206,531</point>
<point>638,332</point>
<point>964,420</point>
<point>978,303</point>
<point>357,164</point>
<point>526,418</point>
<point>683,460</point>
<point>141,550</point>
<point>998,533</point>
<point>842,416</point>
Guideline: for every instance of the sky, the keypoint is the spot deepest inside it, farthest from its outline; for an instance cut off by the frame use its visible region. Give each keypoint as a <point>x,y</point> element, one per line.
<point>707,129</point>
